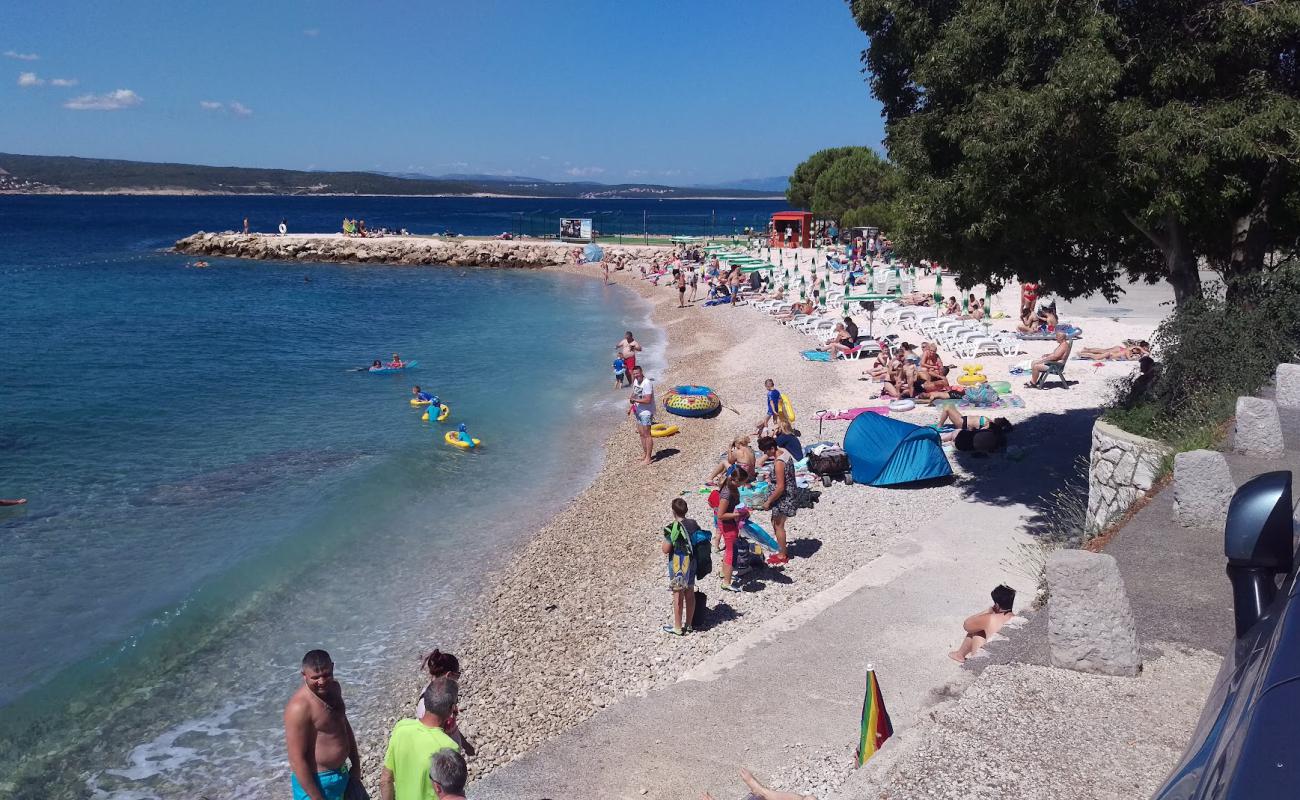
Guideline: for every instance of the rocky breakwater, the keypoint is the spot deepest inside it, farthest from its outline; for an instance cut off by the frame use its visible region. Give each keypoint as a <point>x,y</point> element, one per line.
<point>408,250</point>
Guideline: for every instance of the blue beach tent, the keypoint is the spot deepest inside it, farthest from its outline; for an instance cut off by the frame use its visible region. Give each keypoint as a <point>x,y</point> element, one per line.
<point>887,452</point>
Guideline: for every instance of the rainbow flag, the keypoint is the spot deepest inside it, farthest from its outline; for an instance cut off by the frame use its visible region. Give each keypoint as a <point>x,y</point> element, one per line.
<point>876,727</point>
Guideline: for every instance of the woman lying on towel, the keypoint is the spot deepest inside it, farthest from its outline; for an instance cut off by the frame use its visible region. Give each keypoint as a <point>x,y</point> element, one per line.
<point>1119,352</point>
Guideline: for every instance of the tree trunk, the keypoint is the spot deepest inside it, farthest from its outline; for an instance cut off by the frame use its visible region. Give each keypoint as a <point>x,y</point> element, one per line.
<point>1251,231</point>
<point>1180,262</point>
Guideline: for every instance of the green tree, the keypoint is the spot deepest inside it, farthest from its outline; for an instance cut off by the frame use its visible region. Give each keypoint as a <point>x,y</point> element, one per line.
<point>804,178</point>
<point>1074,141</point>
<point>857,179</point>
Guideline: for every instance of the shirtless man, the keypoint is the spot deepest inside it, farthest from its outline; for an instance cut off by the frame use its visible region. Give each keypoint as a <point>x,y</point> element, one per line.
<point>627,348</point>
<point>1057,356</point>
<point>322,750</point>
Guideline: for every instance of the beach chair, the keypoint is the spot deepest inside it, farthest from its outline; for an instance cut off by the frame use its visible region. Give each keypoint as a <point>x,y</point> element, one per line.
<point>1056,368</point>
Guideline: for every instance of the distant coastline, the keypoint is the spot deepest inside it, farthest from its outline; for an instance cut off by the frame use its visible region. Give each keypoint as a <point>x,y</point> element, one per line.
<point>158,192</point>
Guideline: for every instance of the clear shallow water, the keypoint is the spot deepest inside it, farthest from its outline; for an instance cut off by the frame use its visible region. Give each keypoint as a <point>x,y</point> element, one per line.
<point>212,493</point>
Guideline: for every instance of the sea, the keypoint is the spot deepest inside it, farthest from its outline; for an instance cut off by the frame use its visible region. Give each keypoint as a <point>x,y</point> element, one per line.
<point>214,488</point>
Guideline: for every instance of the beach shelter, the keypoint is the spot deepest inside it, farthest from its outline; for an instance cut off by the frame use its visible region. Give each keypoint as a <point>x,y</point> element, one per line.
<point>799,223</point>
<point>886,452</point>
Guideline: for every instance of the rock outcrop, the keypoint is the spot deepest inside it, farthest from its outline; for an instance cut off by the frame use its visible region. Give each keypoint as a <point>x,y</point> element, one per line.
<point>403,250</point>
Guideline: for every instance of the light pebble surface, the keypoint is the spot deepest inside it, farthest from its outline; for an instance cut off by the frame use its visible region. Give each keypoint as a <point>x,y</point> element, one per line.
<point>1031,732</point>
<point>571,623</point>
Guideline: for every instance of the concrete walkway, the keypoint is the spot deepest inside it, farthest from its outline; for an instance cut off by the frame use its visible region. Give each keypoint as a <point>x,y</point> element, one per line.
<point>786,700</point>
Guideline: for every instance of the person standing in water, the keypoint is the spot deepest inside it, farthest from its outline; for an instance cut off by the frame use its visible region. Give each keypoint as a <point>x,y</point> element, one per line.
<point>627,349</point>
<point>245,226</point>
<point>323,753</point>
<point>641,407</point>
<point>284,227</point>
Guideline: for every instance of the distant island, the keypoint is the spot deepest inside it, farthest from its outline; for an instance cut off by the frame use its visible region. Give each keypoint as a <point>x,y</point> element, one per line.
<point>22,174</point>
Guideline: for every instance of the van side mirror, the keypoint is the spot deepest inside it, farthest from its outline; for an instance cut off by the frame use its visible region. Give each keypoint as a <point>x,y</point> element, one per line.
<point>1258,540</point>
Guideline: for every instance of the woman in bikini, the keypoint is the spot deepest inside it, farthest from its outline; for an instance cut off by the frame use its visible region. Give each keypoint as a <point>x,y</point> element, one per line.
<point>740,453</point>
<point>1119,352</point>
<point>967,426</point>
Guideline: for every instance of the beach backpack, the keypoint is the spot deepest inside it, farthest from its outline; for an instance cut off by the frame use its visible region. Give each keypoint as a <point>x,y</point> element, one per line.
<point>702,552</point>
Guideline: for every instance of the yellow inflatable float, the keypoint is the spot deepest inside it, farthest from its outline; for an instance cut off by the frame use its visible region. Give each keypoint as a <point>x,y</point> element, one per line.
<point>786,409</point>
<point>452,438</point>
<point>444,411</point>
<point>659,430</point>
<point>971,375</point>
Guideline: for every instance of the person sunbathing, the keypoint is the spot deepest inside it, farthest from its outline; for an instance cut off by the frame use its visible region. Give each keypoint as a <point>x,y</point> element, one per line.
<point>931,364</point>
<point>1119,352</point>
<point>798,309</point>
<point>950,416</point>
<point>844,340</point>
<point>916,299</point>
<point>761,792</point>
<point>879,369</point>
<point>983,626</point>
<point>951,308</point>
<point>934,389</point>
<point>739,453</point>
<point>1028,320</point>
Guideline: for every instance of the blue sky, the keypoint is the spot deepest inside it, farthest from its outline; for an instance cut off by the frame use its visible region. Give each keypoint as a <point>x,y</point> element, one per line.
<point>619,90</point>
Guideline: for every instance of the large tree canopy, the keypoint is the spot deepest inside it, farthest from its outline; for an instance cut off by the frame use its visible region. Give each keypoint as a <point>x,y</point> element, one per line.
<point>1074,140</point>
<point>853,185</point>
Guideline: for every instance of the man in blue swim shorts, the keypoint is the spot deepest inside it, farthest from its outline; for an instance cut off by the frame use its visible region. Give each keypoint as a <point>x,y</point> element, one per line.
<point>322,750</point>
<point>641,407</point>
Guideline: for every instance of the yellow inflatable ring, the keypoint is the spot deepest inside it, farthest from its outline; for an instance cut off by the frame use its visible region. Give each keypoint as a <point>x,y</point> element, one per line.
<point>417,402</point>
<point>452,438</point>
<point>786,409</point>
<point>972,375</point>
<point>659,430</point>
<point>443,413</point>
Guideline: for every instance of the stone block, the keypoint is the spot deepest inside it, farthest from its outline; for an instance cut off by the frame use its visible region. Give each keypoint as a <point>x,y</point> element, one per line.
<point>1090,625</point>
<point>1259,428</point>
<point>1287,382</point>
<point>1203,488</point>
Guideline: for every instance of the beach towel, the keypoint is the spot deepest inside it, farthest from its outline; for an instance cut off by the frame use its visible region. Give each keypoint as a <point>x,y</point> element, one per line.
<point>815,355</point>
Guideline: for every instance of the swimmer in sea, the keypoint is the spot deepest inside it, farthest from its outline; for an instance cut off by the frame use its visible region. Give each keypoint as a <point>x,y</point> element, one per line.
<point>377,365</point>
<point>18,502</point>
<point>422,396</point>
<point>463,434</point>
<point>397,362</point>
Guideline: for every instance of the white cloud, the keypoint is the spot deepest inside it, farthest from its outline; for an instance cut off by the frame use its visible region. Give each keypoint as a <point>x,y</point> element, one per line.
<point>239,109</point>
<point>637,173</point>
<point>584,172</point>
<point>21,56</point>
<point>234,107</point>
<point>210,105</point>
<point>311,32</point>
<point>28,79</point>
<point>110,101</point>
<point>63,82</point>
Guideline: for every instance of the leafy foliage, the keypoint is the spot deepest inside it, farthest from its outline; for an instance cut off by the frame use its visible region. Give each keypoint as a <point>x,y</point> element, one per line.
<point>853,185</point>
<point>1075,141</point>
<point>1211,351</point>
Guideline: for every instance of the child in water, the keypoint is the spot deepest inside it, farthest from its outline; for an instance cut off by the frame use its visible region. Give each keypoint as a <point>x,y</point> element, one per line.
<point>620,370</point>
<point>422,396</point>
<point>463,433</point>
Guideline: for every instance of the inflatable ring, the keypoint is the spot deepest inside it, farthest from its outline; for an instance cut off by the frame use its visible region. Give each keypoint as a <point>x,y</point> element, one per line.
<point>444,411</point>
<point>786,409</point>
<point>905,404</point>
<point>691,401</point>
<point>972,375</point>
<point>417,402</point>
<point>453,439</point>
<point>659,430</point>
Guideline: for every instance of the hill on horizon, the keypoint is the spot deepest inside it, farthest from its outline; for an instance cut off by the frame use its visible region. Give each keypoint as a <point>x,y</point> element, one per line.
<point>55,174</point>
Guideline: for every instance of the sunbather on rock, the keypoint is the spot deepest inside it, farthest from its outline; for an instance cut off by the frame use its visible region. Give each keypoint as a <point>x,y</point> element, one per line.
<point>983,626</point>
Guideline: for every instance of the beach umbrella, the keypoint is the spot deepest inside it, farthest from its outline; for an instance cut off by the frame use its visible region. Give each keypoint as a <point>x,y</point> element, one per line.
<point>938,287</point>
<point>876,727</point>
<point>592,253</point>
<point>988,310</point>
<point>965,304</point>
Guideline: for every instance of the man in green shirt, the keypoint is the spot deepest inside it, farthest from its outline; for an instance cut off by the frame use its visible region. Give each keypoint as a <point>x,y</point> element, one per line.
<point>414,741</point>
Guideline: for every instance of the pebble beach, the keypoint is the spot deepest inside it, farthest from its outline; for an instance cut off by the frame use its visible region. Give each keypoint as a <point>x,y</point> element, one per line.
<point>571,624</point>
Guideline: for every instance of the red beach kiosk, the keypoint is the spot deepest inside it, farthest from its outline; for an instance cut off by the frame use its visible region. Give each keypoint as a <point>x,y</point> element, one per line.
<point>791,229</point>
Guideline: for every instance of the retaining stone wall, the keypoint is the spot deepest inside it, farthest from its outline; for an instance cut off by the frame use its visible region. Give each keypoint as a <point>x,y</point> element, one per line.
<point>1122,467</point>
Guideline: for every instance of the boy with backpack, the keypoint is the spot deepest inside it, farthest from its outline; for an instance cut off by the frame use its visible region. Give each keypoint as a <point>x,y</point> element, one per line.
<point>679,546</point>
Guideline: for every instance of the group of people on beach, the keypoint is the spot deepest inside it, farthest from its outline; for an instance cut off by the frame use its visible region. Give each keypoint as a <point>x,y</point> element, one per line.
<point>425,757</point>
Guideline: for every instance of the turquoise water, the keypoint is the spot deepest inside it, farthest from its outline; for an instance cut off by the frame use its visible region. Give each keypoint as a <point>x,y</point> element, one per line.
<point>212,492</point>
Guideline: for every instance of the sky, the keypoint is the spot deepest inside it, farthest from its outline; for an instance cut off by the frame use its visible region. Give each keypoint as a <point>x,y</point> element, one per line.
<point>672,92</point>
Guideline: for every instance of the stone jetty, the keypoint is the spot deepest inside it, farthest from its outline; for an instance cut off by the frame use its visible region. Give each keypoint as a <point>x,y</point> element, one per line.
<point>408,250</point>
